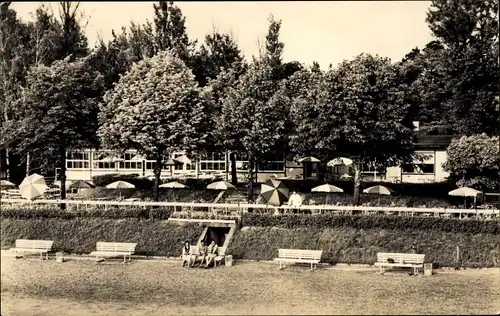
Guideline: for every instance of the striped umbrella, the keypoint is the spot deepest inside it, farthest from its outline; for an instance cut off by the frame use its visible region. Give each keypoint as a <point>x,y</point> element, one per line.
<point>220,185</point>
<point>378,189</point>
<point>33,186</point>
<point>80,184</point>
<point>274,192</point>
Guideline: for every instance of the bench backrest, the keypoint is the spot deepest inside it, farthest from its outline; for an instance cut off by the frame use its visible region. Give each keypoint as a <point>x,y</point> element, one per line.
<point>221,251</point>
<point>401,257</point>
<point>34,244</point>
<point>300,254</point>
<point>116,247</point>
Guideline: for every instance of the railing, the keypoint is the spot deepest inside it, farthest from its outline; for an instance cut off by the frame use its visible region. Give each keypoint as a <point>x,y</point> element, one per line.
<point>258,208</point>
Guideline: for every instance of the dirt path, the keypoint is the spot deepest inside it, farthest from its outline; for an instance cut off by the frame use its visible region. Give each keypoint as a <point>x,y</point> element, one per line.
<point>33,287</point>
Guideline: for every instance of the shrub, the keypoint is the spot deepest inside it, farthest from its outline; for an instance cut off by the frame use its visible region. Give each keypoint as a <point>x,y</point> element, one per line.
<point>371,222</point>
<point>79,235</point>
<point>360,246</point>
<point>139,182</point>
<point>88,212</point>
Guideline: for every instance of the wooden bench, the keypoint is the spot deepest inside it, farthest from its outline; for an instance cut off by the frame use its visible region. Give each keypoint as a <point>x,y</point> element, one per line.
<point>221,254</point>
<point>34,246</point>
<point>403,260</point>
<point>312,257</point>
<point>114,249</point>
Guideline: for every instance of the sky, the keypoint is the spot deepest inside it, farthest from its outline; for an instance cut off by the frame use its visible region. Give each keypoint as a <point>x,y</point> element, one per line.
<point>327,32</point>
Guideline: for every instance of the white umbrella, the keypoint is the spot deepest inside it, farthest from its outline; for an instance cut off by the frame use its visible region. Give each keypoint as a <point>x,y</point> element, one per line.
<point>173,185</point>
<point>33,186</point>
<point>379,190</point>
<point>120,185</point>
<point>220,185</point>
<point>345,176</point>
<point>327,188</point>
<point>6,183</point>
<point>339,161</point>
<point>184,159</point>
<point>466,192</point>
<point>309,159</point>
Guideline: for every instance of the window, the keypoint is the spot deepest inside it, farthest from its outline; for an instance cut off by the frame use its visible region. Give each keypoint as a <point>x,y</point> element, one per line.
<point>272,166</point>
<point>423,164</point>
<point>213,162</point>
<point>130,165</point>
<point>77,164</point>
<point>104,165</point>
<point>77,160</point>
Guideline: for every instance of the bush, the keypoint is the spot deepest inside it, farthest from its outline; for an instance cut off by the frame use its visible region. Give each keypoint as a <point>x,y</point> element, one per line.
<point>79,235</point>
<point>360,246</point>
<point>139,182</point>
<point>89,212</point>
<point>434,190</point>
<point>372,222</point>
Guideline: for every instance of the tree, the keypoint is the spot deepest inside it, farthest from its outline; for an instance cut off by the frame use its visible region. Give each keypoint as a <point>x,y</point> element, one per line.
<point>218,89</point>
<point>474,162</point>
<point>73,40</point>
<point>58,113</point>
<point>358,111</point>
<point>248,120</point>
<point>170,31</point>
<point>156,108</point>
<point>218,52</point>
<point>468,30</point>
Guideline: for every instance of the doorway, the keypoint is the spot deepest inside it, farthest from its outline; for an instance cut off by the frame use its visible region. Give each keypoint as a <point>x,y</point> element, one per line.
<point>217,234</point>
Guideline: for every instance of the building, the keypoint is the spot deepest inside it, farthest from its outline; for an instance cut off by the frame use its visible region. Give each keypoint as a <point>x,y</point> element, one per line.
<point>83,165</point>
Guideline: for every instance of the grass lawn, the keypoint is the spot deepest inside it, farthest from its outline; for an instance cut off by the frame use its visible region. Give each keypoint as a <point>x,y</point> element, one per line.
<point>34,287</point>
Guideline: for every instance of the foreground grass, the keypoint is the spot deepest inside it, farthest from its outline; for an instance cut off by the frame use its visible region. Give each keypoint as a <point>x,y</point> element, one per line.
<point>33,287</point>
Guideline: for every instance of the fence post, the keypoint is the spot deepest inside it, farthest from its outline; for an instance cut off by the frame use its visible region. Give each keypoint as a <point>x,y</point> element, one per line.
<point>458,254</point>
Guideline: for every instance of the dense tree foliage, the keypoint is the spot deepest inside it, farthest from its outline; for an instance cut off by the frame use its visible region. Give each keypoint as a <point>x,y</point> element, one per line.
<point>156,108</point>
<point>474,161</point>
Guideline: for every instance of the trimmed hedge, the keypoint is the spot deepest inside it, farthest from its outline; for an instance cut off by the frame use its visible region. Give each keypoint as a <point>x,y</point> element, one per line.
<point>436,190</point>
<point>373,222</point>
<point>79,235</point>
<point>360,246</point>
<point>139,182</point>
<point>108,213</point>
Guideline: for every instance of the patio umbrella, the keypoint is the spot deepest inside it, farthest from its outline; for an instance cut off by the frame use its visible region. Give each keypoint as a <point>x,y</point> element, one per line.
<point>6,183</point>
<point>172,162</point>
<point>33,186</point>
<point>173,185</point>
<point>120,185</point>
<point>339,161</point>
<point>327,188</point>
<point>345,177</point>
<point>80,184</point>
<point>309,159</point>
<point>274,192</point>
<point>184,159</point>
<point>220,185</point>
<point>465,192</point>
<point>379,190</point>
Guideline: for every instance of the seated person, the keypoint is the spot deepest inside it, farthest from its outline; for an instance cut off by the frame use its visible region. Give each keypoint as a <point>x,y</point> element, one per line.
<point>211,253</point>
<point>202,250</point>
<point>186,254</point>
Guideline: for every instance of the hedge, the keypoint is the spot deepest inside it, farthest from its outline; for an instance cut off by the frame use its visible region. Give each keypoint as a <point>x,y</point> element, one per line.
<point>79,235</point>
<point>92,212</point>
<point>316,222</point>
<point>436,190</point>
<point>139,182</point>
<point>360,246</point>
